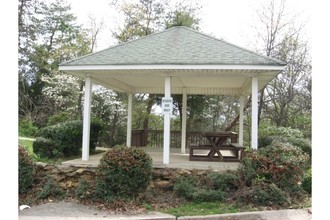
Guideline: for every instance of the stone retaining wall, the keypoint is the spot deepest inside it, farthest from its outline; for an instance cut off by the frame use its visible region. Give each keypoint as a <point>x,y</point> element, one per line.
<point>68,177</point>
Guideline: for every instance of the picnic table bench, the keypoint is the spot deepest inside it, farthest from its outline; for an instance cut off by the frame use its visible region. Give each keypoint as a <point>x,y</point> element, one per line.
<point>219,141</point>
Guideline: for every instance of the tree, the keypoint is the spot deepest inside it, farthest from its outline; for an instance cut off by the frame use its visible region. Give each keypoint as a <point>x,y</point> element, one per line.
<point>48,35</point>
<point>289,94</point>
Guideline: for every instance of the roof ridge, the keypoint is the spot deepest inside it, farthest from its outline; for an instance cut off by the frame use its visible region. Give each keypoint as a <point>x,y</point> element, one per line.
<point>239,47</point>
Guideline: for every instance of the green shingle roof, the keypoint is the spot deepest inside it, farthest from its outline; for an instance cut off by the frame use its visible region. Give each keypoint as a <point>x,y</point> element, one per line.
<point>175,46</point>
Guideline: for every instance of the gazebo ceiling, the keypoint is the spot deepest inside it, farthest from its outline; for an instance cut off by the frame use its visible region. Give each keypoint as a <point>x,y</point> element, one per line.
<point>197,64</point>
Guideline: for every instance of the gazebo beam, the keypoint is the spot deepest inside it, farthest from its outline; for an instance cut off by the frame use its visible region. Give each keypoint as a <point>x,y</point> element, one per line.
<point>184,122</point>
<point>87,119</point>
<point>241,120</point>
<point>167,124</point>
<point>254,125</point>
<point>129,121</point>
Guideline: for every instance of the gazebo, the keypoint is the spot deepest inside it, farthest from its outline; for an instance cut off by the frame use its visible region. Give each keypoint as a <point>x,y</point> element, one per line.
<point>176,61</point>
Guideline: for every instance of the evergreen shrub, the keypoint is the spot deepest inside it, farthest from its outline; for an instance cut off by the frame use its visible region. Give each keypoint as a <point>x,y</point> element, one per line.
<point>45,148</point>
<point>25,170</point>
<point>279,163</point>
<point>67,136</point>
<point>123,173</point>
<point>185,187</point>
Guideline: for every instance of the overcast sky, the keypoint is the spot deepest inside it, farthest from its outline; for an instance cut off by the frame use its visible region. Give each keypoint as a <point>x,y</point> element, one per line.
<point>230,20</point>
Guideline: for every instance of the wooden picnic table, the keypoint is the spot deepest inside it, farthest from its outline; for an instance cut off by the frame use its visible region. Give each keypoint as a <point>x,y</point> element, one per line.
<point>225,140</point>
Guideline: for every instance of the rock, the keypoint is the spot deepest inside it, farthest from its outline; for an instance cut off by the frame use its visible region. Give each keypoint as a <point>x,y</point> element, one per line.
<point>163,184</point>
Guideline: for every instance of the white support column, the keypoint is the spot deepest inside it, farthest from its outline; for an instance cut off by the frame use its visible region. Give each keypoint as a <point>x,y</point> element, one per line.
<point>254,126</point>
<point>129,121</point>
<point>241,120</point>
<point>87,119</point>
<point>167,124</point>
<point>184,122</point>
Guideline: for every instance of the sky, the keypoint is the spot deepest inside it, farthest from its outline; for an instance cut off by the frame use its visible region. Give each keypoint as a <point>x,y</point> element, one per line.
<point>230,20</point>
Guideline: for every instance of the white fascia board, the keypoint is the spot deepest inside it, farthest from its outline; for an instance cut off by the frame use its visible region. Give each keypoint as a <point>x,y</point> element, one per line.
<point>171,67</point>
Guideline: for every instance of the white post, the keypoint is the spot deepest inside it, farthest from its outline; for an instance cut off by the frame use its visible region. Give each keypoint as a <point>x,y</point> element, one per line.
<point>167,124</point>
<point>129,121</point>
<point>87,119</point>
<point>184,122</point>
<point>254,126</point>
<point>241,120</point>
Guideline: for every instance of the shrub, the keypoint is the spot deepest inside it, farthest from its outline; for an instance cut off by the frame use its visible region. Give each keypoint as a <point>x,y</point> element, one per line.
<point>185,187</point>
<point>25,170</point>
<point>208,196</point>
<point>45,148</point>
<point>123,173</point>
<point>26,128</point>
<point>51,189</point>
<point>84,190</point>
<point>281,164</point>
<point>59,118</point>
<point>304,144</point>
<point>67,136</point>
<point>307,182</point>
<point>224,181</point>
<point>269,194</point>
<point>280,132</point>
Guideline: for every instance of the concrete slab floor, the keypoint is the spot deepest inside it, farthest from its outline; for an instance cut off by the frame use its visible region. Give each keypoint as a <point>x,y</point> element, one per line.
<point>177,161</point>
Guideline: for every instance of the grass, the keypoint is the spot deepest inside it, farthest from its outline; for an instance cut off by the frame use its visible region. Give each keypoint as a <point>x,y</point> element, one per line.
<point>205,208</point>
<point>28,144</point>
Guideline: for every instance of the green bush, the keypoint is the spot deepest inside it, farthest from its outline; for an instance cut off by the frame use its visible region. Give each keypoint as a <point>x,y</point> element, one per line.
<point>269,194</point>
<point>25,170</point>
<point>83,190</point>
<point>307,182</point>
<point>59,118</point>
<point>45,148</point>
<point>280,132</point>
<point>123,173</point>
<point>224,181</point>
<point>304,144</point>
<point>67,136</point>
<point>281,164</point>
<point>185,187</point>
<point>51,189</point>
<point>208,196</point>
<point>26,128</point>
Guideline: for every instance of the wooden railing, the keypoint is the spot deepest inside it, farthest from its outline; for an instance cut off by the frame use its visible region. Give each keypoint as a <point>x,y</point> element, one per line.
<point>154,138</point>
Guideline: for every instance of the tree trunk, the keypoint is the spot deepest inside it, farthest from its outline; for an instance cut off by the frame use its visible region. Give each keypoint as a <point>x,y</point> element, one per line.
<point>234,122</point>
<point>150,102</point>
<point>79,104</point>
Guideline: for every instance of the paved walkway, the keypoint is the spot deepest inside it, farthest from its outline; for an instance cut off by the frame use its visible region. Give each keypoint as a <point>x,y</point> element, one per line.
<point>177,160</point>
<point>74,211</point>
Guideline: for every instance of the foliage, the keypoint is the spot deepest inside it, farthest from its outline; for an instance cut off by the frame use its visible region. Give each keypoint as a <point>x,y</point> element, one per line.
<point>263,194</point>
<point>84,190</point>
<point>209,196</point>
<point>59,118</point>
<point>46,148</point>
<point>67,138</point>
<point>123,173</point>
<point>51,189</point>
<point>26,128</point>
<point>213,187</point>
<point>224,181</point>
<point>185,187</point>
<point>286,132</point>
<point>281,164</point>
<point>48,35</point>
<point>307,181</point>
<point>25,170</point>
